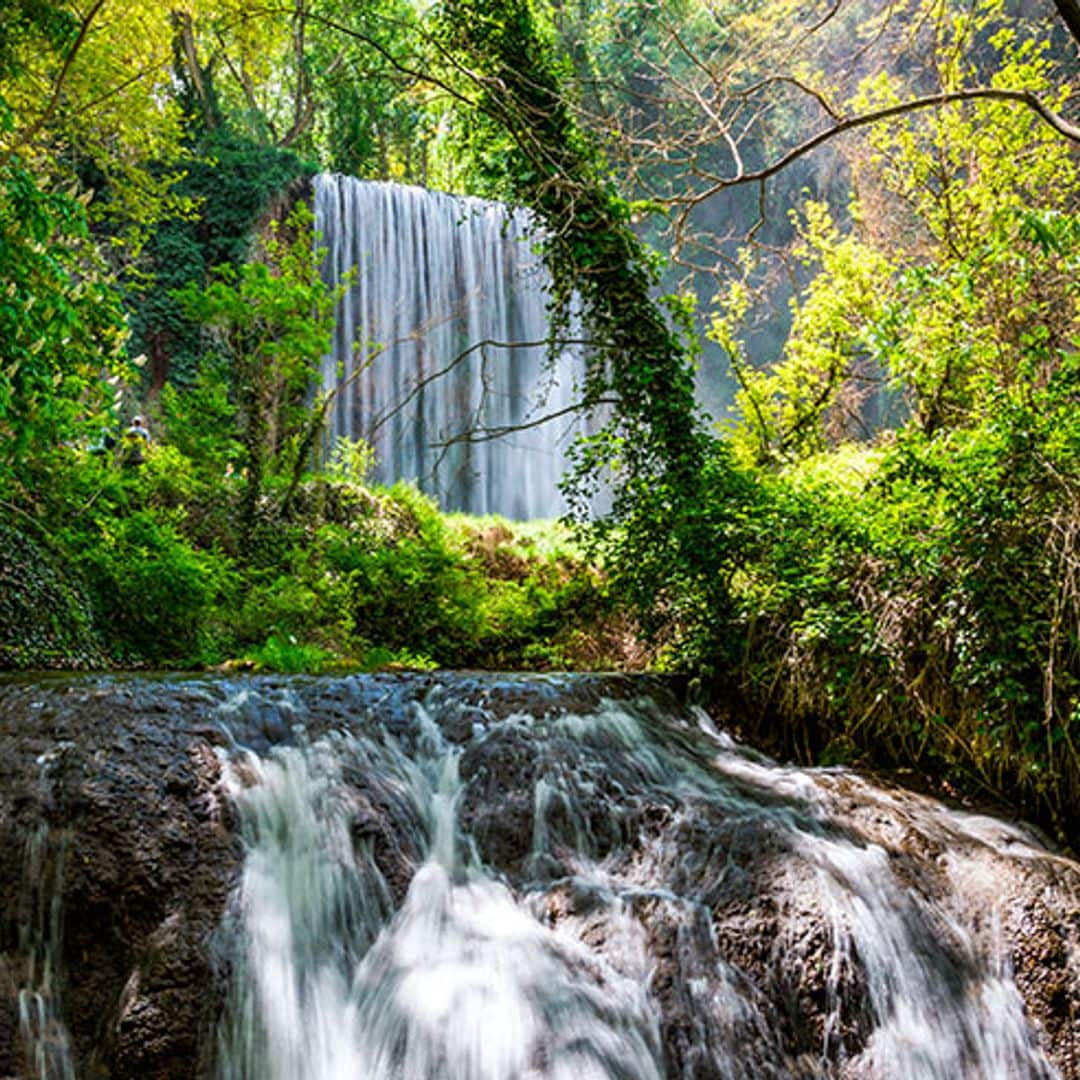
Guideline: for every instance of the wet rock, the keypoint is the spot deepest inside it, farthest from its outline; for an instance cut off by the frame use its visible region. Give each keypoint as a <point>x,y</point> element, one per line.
<point>728,887</point>
<point>131,806</point>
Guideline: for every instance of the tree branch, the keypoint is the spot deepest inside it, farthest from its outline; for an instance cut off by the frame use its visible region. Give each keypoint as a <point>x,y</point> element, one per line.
<point>402,68</point>
<point>1069,10</point>
<point>58,83</point>
<point>479,435</point>
<point>852,123</point>
<point>420,384</point>
<point>303,98</point>
<point>191,62</point>
<point>247,87</point>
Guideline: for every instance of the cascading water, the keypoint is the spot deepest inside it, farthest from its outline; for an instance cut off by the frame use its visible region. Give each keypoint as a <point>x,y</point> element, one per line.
<point>439,345</point>
<point>612,891</point>
<point>44,1035</point>
<point>462,981</point>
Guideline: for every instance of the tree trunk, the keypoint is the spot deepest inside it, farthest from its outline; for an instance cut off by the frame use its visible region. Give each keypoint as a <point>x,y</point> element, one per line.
<point>1069,10</point>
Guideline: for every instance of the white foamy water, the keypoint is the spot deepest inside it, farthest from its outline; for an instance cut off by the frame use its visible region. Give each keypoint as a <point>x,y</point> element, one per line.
<point>461,982</point>
<point>393,922</point>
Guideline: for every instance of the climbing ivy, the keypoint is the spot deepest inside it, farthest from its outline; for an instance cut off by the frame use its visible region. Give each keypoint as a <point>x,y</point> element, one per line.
<point>229,182</point>
<point>653,447</point>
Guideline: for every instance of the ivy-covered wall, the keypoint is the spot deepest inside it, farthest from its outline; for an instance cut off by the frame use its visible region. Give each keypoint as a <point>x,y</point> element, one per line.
<point>231,182</point>
<point>45,617</point>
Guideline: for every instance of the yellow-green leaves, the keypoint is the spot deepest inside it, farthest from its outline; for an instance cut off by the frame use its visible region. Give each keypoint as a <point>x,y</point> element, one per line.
<point>950,282</point>
<point>812,397</point>
<point>100,92</point>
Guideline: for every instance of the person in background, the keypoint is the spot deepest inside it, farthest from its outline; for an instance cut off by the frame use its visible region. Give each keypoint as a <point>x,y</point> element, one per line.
<point>136,439</point>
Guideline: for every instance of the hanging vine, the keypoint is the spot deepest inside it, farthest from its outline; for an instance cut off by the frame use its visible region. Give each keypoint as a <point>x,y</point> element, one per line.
<point>653,446</point>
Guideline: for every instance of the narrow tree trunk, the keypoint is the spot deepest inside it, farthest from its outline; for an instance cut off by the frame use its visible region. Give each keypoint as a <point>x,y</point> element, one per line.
<point>1069,10</point>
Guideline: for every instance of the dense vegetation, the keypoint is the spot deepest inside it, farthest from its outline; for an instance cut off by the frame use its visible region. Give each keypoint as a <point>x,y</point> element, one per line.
<point>875,555</point>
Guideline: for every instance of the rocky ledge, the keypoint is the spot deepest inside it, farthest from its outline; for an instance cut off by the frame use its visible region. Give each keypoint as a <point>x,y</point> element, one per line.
<point>119,851</point>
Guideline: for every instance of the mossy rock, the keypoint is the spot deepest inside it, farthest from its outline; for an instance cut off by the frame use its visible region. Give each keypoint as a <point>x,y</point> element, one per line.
<point>45,617</point>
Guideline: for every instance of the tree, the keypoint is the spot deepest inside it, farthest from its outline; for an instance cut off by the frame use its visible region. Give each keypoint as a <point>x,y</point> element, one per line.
<point>89,87</point>
<point>953,284</point>
<point>272,322</point>
<point>715,122</point>
<point>1069,10</point>
<point>287,77</point>
<point>551,167</point>
<point>62,333</point>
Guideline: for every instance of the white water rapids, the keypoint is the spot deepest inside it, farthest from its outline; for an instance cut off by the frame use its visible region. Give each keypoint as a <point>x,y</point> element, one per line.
<point>439,346</point>
<point>622,894</point>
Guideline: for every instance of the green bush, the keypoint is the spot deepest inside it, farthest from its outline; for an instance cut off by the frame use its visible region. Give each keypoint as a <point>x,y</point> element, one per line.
<point>367,576</point>
<point>289,604</point>
<point>918,604</point>
<point>415,593</point>
<point>286,655</point>
<point>151,588</point>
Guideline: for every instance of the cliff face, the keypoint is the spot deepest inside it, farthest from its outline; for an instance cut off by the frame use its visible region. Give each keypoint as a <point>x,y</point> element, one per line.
<point>767,907</point>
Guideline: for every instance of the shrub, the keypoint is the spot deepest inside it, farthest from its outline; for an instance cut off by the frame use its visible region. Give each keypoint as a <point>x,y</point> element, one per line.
<point>416,594</point>
<point>45,618</point>
<point>151,588</point>
<point>286,655</point>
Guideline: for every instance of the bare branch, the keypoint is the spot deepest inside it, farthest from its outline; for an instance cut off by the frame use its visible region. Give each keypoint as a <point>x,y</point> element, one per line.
<point>479,435</point>
<point>1023,97</point>
<point>815,27</point>
<point>420,384</point>
<point>773,80</point>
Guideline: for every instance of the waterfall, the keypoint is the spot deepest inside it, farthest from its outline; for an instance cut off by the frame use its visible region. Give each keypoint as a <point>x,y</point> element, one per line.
<point>45,1037</point>
<point>611,890</point>
<point>461,982</point>
<point>431,348</point>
